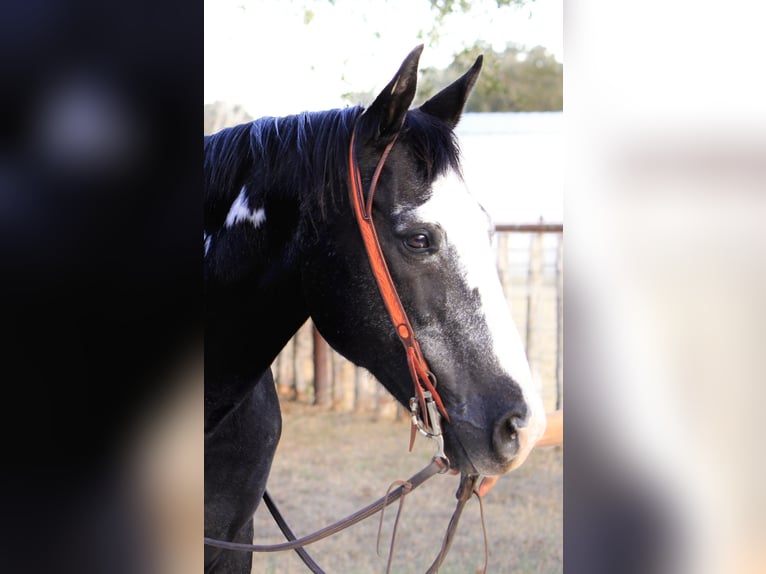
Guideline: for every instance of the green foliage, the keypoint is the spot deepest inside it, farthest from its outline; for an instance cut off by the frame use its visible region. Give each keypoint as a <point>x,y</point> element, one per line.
<point>511,81</point>
<point>515,80</point>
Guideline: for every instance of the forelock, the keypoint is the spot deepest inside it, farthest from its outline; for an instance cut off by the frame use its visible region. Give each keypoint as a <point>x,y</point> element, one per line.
<point>433,143</point>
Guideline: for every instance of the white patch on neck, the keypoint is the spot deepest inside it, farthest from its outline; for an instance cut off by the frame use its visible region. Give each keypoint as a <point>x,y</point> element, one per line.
<point>240,211</point>
<point>206,237</point>
<point>466,226</point>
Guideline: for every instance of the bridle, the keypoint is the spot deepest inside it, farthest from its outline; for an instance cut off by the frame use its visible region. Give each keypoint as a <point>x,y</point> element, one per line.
<point>422,377</point>
<point>426,407</point>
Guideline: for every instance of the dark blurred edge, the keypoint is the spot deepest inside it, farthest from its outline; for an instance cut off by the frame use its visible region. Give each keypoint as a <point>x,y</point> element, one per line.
<point>615,520</point>
<point>100,211</point>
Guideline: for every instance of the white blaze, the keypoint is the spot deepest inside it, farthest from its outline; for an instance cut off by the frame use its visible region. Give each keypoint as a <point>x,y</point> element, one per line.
<point>466,226</point>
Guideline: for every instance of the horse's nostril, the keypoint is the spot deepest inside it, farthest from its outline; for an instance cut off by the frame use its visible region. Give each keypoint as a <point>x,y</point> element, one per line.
<point>512,429</point>
<point>505,437</point>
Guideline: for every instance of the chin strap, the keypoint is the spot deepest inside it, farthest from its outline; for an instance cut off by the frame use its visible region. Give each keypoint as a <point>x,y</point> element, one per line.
<point>423,379</point>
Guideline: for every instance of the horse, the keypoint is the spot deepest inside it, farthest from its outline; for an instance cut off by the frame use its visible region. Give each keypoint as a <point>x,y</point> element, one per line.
<point>281,245</point>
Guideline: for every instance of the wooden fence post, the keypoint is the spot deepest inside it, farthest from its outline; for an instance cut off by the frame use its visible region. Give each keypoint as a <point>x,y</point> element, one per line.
<point>322,389</point>
<point>285,371</point>
<point>342,383</point>
<point>302,359</point>
<point>503,265</point>
<point>358,391</point>
<point>534,289</point>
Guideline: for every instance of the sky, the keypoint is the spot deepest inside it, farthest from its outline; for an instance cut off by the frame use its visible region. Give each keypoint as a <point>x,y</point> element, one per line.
<point>260,53</point>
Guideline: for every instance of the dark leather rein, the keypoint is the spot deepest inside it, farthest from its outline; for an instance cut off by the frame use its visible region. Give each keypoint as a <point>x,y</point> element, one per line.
<point>426,406</point>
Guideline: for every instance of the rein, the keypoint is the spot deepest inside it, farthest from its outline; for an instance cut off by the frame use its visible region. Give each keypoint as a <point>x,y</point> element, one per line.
<point>436,466</point>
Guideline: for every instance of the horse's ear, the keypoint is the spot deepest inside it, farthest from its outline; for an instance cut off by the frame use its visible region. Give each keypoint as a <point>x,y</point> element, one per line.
<point>448,104</point>
<point>386,114</point>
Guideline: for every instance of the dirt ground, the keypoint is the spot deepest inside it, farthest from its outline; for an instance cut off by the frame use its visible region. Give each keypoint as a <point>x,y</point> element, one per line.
<point>329,465</point>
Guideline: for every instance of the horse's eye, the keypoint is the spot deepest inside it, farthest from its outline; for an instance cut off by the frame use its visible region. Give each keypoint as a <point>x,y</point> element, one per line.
<point>418,241</point>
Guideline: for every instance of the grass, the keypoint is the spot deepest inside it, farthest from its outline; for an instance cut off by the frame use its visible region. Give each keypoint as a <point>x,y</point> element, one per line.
<point>331,464</point>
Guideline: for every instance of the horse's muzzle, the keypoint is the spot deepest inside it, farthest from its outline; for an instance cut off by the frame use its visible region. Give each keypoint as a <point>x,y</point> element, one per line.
<point>491,447</point>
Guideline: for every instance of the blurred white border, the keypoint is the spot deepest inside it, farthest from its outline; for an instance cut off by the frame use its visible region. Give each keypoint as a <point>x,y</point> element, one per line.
<point>665,191</point>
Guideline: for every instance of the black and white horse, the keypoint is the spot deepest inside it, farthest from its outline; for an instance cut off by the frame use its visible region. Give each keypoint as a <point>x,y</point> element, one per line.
<point>281,245</point>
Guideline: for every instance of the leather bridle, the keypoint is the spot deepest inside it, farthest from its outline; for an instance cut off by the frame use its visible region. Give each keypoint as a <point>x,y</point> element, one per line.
<point>422,377</point>
<point>426,406</point>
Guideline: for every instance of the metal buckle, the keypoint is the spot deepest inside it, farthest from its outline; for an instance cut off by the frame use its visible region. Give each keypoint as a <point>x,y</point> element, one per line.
<point>432,418</point>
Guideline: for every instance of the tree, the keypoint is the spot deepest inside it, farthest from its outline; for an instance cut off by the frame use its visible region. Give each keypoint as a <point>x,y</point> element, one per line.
<point>513,80</point>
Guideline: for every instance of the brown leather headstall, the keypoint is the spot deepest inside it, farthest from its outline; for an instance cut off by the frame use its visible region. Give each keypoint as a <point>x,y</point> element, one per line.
<point>422,377</point>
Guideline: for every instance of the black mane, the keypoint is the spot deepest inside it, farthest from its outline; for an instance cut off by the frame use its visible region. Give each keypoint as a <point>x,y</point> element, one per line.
<point>306,154</point>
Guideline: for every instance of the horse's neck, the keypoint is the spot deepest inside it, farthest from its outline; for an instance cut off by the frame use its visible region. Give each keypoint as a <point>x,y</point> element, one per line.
<point>253,287</point>
<point>254,297</point>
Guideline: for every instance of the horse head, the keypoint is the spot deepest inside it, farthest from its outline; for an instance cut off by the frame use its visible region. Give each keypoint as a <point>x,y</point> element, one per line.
<point>436,239</point>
